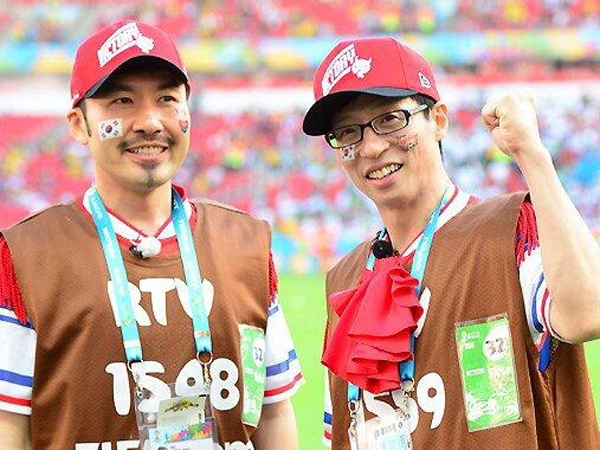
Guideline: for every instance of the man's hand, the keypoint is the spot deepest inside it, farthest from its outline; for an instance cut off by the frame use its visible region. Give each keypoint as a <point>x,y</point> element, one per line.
<point>570,254</point>
<point>15,433</point>
<point>512,121</point>
<point>277,428</point>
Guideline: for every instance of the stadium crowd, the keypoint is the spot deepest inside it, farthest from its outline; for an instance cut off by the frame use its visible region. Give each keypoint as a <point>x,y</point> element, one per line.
<point>69,21</point>
<point>261,162</point>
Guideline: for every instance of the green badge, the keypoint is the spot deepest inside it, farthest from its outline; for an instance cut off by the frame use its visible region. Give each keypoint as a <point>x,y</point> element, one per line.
<point>487,367</point>
<point>252,346</point>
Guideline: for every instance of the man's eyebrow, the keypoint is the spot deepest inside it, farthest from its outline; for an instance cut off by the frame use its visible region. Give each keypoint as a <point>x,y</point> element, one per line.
<point>120,86</point>
<point>169,84</point>
<point>342,119</point>
<point>113,88</point>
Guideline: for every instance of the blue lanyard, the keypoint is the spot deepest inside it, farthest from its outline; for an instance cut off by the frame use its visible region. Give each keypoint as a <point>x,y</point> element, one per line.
<point>407,368</point>
<point>118,275</point>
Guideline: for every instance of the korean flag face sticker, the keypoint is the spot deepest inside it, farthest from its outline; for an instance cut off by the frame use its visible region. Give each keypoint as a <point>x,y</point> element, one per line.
<point>110,129</point>
<point>347,153</point>
<point>183,116</point>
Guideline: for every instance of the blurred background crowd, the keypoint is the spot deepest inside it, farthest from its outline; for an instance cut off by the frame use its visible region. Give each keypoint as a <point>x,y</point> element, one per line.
<point>60,21</point>
<point>252,65</point>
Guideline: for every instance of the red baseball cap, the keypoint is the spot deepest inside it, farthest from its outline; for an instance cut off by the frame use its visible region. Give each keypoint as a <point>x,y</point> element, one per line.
<point>108,49</point>
<point>381,66</point>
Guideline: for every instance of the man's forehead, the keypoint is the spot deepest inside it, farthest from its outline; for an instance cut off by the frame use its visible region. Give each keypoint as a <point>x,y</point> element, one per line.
<point>369,105</point>
<point>157,76</point>
<point>133,77</point>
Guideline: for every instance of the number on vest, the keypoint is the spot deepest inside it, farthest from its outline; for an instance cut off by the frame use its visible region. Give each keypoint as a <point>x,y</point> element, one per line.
<point>223,390</point>
<point>434,404</point>
<point>224,393</point>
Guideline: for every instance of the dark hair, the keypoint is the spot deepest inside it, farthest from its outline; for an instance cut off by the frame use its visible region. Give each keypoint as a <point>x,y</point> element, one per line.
<point>81,106</point>
<point>426,100</point>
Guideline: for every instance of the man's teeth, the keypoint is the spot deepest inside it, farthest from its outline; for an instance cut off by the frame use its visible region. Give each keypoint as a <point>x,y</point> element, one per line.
<point>146,150</point>
<point>382,173</point>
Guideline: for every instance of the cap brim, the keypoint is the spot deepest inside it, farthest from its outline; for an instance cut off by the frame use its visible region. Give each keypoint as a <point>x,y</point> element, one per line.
<point>156,60</point>
<point>317,120</point>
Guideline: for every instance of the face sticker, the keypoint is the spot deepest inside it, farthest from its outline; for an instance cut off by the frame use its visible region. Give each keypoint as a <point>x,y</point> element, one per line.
<point>110,129</point>
<point>408,141</point>
<point>347,153</point>
<point>184,123</point>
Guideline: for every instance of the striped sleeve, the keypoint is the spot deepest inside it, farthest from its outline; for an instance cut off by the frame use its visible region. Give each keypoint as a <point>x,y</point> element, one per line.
<point>17,341</point>
<point>284,376</point>
<point>536,298</point>
<point>327,412</point>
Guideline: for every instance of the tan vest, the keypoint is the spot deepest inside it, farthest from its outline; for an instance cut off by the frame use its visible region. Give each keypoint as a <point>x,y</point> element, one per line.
<point>82,392</point>
<point>472,274</point>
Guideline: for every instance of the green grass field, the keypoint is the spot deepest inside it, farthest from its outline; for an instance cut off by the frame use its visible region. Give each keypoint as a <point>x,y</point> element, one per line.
<point>302,298</point>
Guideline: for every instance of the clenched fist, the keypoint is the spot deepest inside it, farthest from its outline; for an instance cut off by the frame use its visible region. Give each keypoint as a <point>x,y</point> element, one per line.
<point>513,124</point>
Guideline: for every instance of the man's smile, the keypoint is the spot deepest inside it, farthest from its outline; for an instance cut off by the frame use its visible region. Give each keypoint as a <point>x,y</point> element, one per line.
<point>147,150</point>
<point>383,171</point>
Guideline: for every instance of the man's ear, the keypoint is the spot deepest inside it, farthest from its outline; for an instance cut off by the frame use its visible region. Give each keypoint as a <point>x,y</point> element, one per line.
<point>78,126</point>
<point>439,113</point>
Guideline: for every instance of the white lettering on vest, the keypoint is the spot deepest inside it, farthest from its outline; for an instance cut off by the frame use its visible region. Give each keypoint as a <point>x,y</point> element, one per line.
<point>435,404</point>
<point>224,392</point>
<point>141,316</point>
<point>424,301</point>
<point>158,288</point>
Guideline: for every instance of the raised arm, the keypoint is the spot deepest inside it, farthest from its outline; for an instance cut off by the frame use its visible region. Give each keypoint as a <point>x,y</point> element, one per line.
<point>570,254</point>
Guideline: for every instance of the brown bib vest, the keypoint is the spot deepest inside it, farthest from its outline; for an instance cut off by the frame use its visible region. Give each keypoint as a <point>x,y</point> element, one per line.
<point>82,391</point>
<point>472,274</point>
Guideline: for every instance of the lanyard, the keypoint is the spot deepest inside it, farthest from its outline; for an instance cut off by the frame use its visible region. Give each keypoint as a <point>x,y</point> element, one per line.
<point>118,275</point>
<point>407,368</point>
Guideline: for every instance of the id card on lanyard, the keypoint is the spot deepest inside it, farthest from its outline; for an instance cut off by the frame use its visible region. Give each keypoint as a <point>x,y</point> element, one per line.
<point>164,425</point>
<point>392,432</point>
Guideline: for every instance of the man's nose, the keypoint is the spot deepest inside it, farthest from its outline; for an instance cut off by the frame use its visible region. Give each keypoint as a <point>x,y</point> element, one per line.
<point>148,119</point>
<point>373,144</point>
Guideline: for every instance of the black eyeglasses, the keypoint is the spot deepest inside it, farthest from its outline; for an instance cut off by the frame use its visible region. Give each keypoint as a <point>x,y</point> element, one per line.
<point>384,124</point>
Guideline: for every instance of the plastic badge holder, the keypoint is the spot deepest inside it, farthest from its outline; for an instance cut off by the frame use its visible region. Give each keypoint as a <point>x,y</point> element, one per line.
<point>488,371</point>
<point>177,423</point>
<point>390,432</point>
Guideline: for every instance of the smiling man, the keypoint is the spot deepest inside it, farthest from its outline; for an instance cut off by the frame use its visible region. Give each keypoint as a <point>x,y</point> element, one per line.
<point>459,325</point>
<point>124,320</point>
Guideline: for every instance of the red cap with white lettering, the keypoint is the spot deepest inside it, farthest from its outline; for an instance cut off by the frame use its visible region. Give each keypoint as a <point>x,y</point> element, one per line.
<point>108,49</point>
<point>380,66</point>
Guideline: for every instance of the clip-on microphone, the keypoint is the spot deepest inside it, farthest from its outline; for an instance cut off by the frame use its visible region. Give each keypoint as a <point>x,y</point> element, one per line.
<point>146,247</point>
<point>382,248</point>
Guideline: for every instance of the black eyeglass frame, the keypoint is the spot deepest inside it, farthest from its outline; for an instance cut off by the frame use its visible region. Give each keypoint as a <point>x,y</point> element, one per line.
<point>407,114</point>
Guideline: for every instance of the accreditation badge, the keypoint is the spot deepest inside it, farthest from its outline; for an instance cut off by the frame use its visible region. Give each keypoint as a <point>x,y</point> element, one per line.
<point>390,432</point>
<point>489,378</point>
<point>179,423</point>
<point>252,350</point>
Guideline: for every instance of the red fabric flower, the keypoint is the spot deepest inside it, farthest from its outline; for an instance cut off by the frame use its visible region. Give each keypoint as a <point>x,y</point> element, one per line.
<point>372,335</point>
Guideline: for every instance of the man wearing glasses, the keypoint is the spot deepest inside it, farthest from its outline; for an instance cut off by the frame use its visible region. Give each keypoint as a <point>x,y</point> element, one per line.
<point>459,325</point>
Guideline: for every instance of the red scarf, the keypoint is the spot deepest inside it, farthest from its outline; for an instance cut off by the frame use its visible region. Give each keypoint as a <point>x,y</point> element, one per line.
<point>373,333</point>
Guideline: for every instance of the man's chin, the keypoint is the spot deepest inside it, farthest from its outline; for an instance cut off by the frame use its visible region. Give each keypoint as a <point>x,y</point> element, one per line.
<point>389,199</point>
<point>148,182</point>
